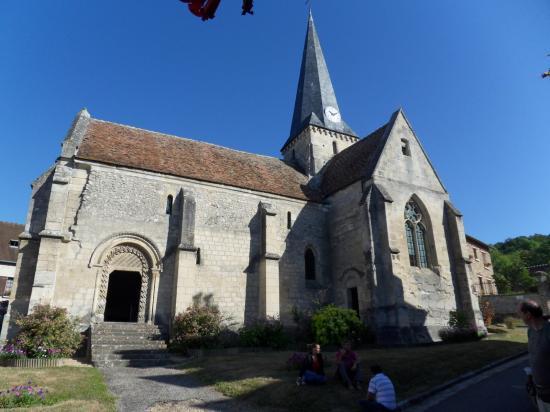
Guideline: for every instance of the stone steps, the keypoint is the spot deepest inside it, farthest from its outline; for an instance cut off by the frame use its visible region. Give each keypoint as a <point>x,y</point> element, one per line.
<point>128,344</point>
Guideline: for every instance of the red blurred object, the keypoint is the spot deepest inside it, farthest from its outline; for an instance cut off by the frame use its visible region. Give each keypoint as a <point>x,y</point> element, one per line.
<point>206,9</point>
<point>247,7</point>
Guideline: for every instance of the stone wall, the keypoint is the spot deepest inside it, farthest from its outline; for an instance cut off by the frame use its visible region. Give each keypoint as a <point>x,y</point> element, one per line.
<point>103,202</point>
<point>482,268</point>
<point>507,305</point>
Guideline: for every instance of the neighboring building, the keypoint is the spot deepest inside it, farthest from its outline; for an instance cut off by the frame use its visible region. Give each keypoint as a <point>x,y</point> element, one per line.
<point>133,225</point>
<point>9,246</point>
<point>482,267</point>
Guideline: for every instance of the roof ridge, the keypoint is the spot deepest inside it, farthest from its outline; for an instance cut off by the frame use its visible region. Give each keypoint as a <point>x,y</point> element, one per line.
<point>173,136</point>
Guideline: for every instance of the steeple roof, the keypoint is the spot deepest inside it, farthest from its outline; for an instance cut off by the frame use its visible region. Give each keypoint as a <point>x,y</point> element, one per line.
<point>316,102</point>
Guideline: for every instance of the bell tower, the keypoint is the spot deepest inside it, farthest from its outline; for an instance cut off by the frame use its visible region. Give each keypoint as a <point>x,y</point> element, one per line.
<point>318,130</point>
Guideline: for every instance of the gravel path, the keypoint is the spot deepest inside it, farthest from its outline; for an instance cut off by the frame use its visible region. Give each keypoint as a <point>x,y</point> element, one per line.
<point>160,389</point>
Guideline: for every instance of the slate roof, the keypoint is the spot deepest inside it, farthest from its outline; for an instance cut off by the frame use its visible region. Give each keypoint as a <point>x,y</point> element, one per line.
<point>354,163</point>
<point>315,91</point>
<point>9,231</point>
<point>116,144</point>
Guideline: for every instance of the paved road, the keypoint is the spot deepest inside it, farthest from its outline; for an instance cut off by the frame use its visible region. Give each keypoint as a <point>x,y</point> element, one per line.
<point>503,391</point>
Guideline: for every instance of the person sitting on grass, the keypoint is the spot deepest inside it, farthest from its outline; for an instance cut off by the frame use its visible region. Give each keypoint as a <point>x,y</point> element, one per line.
<point>312,371</point>
<point>347,367</point>
<point>381,393</point>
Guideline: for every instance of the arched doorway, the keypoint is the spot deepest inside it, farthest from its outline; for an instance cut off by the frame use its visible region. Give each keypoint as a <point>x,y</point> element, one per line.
<point>123,294</point>
<point>126,285</point>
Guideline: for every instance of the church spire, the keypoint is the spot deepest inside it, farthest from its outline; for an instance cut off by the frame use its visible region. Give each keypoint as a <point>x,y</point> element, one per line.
<point>316,102</point>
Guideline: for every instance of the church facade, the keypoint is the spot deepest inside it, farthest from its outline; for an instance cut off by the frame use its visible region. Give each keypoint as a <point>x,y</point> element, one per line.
<point>131,225</point>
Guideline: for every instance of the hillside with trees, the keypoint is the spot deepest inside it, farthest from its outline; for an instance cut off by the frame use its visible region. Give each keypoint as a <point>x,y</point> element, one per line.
<point>512,257</point>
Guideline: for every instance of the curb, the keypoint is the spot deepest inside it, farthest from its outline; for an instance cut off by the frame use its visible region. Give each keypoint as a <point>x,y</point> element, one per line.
<point>415,400</point>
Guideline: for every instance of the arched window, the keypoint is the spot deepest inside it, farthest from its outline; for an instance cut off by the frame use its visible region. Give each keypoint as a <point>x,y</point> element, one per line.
<point>310,265</point>
<point>415,231</point>
<point>169,203</point>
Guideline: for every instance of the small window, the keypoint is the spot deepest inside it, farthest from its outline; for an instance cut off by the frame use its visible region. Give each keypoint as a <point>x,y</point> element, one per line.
<point>481,289</point>
<point>334,148</point>
<point>405,149</point>
<point>8,287</point>
<point>169,204</point>
<point>310,265</point>
<point>288,220</point>
<point>485,260</point>
<point>475,254</point>
<point>293,154</point>
<point>198,258</point>
<point>14,243</point>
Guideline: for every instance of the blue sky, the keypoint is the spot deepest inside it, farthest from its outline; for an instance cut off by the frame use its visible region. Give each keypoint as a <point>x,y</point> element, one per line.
<point>466,73</point>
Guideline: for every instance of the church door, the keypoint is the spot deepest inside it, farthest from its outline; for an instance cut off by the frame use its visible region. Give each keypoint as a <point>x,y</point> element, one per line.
<point>123,297</point>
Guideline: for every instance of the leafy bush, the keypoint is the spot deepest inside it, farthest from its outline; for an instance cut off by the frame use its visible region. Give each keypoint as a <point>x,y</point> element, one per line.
<point>461,334</point>
<point>47,332</point>
<point>11,351</point>
<point>22,396</point>
<point>296,360</point>
<point>198,327</point>
<point>332,325</point>
<point>264,333</point>
<point>458,320</point>
<point>488,312</point>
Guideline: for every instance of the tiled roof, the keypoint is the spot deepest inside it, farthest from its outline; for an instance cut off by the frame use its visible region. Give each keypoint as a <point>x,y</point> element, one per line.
<point>471,239</point>
<point>127,146</point>
<point>9,231</point>
<point>354,163</point>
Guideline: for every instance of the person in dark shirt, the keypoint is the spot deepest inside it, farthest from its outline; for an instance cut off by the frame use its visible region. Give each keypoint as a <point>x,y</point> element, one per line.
<point>312,371</point>
<point>348,369</point>
<point>539,351</point>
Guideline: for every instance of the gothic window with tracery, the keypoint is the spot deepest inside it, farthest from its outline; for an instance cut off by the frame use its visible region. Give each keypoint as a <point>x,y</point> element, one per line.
<point>415,231</point>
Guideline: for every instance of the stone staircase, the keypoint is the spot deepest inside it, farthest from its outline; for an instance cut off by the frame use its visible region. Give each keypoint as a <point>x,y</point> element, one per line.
<point>128,344</point>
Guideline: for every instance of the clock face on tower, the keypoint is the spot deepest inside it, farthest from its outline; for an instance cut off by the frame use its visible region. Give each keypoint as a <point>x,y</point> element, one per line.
<point>332,114</point>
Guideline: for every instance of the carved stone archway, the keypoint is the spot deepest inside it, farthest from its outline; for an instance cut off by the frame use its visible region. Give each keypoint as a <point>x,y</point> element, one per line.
<point>125,257</point>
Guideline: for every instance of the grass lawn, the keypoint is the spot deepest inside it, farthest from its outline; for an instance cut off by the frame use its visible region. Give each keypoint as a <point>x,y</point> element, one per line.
<point>70,388</point>
<point>262,378</point>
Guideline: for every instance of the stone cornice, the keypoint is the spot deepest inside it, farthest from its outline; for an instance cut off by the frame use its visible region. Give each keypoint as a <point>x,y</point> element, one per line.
<point>321,130</point>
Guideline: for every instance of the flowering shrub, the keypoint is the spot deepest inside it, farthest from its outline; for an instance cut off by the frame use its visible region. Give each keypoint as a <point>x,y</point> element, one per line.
<point>488,312</point>
<point>296,360</point>
<point>22,396</point>
<point>47,332</point>
<point>11,351</point>
<point>198,327</point>
<point>264,333</point>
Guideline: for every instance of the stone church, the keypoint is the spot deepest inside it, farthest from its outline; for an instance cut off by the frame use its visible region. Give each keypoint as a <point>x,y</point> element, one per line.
<point>130,225</point>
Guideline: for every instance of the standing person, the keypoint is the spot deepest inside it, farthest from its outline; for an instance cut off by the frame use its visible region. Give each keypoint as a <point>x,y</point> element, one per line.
<point>381,393</point>
<point>348,369</point>
<point>539,351</point>
<point>312,371</point>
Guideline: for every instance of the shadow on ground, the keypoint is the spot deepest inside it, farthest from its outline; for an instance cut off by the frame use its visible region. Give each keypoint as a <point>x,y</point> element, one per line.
<point>262,379</point>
